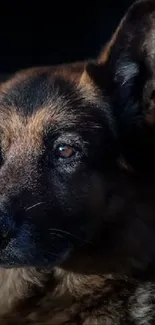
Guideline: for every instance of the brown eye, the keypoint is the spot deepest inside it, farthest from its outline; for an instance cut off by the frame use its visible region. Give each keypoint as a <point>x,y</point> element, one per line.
<point>65,151</point>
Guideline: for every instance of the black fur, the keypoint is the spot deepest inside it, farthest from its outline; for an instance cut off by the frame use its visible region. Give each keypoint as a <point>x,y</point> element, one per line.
<point>127,80</point>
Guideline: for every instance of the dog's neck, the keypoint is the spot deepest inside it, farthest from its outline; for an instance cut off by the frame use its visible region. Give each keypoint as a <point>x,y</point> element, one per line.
<point>60,286</point>
<point>17,286</point>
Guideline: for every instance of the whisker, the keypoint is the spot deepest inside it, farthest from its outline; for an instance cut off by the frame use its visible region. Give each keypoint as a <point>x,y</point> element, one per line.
<point>57,235</point>
<point>33,206</point>
<point>69,234</point>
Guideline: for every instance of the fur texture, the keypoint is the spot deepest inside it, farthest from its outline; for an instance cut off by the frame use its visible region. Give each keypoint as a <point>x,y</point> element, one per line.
<point>76,213</point>
<point>125,74</point>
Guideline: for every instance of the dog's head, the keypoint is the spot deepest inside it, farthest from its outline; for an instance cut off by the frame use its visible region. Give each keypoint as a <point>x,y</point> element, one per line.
<point>126,74</point>
<point>64,195</point>
<point>51,181</point>
<point>61,186</point>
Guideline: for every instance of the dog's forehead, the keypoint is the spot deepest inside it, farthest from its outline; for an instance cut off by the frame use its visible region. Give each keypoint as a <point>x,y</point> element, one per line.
<point>31,104</point>
<point>42,97</point>
<point>31,92</point>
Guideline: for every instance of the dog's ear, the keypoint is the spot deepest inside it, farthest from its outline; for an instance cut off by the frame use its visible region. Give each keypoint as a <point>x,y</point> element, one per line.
<point>126,68</point>
<point>92,77</point>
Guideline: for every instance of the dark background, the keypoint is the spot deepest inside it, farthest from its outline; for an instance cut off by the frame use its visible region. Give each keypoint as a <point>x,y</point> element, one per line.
<point>52,32</point>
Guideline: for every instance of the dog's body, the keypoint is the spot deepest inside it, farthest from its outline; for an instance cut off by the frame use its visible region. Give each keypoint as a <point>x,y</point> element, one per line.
<point>66,298</point>
<point>75,213</point>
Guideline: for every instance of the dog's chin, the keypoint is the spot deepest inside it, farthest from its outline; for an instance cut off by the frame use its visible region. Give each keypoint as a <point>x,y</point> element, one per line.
<point>16,258</point>
<point>19,254</point>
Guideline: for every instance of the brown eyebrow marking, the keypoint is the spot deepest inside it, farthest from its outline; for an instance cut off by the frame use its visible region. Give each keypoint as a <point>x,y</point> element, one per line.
<point>14,127</point>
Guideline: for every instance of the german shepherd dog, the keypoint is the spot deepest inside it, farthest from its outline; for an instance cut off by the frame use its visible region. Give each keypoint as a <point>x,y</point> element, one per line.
<point>77,208</point>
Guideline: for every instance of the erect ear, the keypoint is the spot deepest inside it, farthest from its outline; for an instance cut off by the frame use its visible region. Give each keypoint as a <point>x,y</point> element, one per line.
<point>92,77</point>
<point>126,67</point>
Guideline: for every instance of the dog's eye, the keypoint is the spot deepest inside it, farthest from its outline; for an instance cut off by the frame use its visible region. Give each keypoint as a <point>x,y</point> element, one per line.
<point>65,151</point>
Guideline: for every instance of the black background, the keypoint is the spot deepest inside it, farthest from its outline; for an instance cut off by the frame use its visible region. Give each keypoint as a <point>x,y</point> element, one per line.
<point>51,32</point>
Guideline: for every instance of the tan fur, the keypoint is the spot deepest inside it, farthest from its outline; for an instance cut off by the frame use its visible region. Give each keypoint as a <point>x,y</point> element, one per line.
<point>68,298</point>
<point>15,284</point>
<point>87,82</point>
<point>103,56</point>
<point>60,305</point>
<point>105,52</point>
<point>70,71</point>
<point>14,127</point>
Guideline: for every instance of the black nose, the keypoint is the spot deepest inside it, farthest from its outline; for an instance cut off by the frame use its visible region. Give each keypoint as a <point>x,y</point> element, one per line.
<point>7,229</point>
